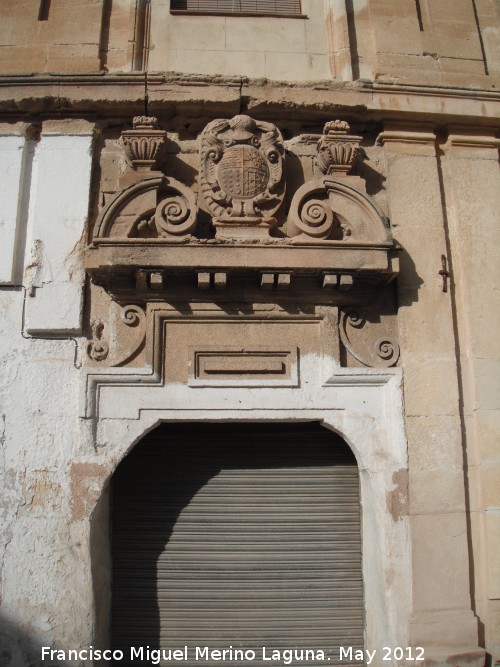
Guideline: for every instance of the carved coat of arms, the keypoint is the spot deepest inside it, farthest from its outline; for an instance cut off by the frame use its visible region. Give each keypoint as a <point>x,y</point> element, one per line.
<point>242,171</point>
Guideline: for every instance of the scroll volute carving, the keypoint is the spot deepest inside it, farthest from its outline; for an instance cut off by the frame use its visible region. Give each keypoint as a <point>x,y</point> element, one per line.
<point>118,338</point>
<point>334,206</point>
<point>151,205</point>
<point>242,176</point>
<point>371,344</point>
<point>155,207</point>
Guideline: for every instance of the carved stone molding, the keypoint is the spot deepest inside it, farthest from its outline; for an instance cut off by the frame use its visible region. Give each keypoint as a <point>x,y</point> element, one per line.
<point>337,149</point>
<point>134,319</point>
<point>175,215</point>
<point>155,207</point>
<point>98,347</point>
<point>405,136</point>
<point>194,345</point>
<point>241,175</point>
<point>473,139</point>
<point>358,339</point>
<point>125,335</point>
<point>311,215</point>
<point>412,140</point>
<point>149,243</point>
<point>232,366</point>
<point>144,144</point>
<point>333,209</point>
<point>334,206</point>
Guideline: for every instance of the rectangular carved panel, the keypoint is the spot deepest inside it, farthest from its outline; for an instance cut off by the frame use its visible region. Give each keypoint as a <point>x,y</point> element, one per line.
<point>238,367</point>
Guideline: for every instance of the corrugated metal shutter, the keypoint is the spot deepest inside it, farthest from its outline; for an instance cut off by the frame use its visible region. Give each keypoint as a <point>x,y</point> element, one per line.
<point>243,535</point>
<point>238,6</point>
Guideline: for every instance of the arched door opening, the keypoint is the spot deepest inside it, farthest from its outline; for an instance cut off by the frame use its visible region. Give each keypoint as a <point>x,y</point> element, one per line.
<point>239,535</point>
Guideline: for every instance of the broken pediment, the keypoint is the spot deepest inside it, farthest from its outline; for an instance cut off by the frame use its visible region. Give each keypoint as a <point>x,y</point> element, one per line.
<point>164,254</point>
<point>155,207</point>
<point>335,232</point>
<point>333,209</point>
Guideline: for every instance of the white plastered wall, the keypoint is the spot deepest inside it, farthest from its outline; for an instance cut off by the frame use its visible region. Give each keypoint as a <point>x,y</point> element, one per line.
<point>12,159</point>
<point>45,198</point>
<point>57,217</point>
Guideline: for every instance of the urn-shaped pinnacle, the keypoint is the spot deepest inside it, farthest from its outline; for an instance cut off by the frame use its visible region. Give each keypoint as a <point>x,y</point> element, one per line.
<point>337,149</point>
<point>144,143</point>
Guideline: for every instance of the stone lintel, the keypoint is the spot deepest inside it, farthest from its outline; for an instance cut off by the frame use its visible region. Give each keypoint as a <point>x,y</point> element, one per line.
<point>13,129</point>
<point>223,257</point>
<point>64,126</point>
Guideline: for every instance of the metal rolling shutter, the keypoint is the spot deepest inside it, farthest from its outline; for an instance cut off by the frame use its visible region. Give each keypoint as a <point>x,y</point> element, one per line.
<point>243,535</point>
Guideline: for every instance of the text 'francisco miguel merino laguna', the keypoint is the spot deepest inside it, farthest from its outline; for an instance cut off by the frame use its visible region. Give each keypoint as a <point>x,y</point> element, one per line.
<point>204,653</point>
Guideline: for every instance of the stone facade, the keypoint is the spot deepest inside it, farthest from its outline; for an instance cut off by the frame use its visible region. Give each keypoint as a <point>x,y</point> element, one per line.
<point>234,218</point>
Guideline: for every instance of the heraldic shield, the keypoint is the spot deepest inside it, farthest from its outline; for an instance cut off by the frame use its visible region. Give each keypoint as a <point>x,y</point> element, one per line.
<point>241,176</point>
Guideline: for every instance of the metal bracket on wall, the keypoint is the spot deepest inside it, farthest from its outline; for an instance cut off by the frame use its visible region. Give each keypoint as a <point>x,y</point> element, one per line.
<point>444,273</point>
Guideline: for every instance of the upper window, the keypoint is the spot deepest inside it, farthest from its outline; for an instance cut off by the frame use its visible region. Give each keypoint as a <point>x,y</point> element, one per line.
<point>241,7</point>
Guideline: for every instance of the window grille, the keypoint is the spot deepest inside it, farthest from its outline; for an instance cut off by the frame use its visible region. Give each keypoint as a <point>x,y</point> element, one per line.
<point>261,7</point>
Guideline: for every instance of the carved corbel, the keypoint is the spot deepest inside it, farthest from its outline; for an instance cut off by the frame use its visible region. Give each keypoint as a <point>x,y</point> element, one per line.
<point>359,340</point>
<point>134,319</point>
<point>126,329</point>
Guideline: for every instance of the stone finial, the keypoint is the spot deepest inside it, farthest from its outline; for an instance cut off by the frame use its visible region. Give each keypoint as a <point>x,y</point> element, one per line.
<point>145,123</point>
<point>337,149</point>
<point>144,143</point>
<point>335,127</point>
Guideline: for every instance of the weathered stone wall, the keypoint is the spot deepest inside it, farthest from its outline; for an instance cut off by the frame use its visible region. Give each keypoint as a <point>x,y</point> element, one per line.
<point>283,49</point>
<point>64,38</point>
<point>436,477</point>
<point>450,42</point>
<point>472,160</point>
<point>432,42</point>
<point>434,171</point>
<point>46,593</point>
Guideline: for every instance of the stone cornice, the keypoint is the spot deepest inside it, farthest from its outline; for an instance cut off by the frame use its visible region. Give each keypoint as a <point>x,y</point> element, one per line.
<point>471,140</point>
<point>102,94</point>
<point>433,91</point>
<point>406,136</point>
